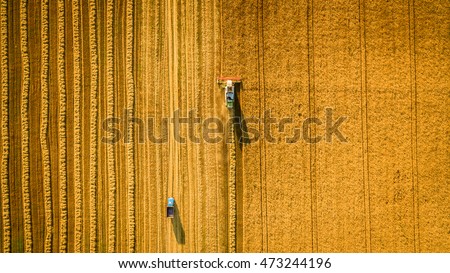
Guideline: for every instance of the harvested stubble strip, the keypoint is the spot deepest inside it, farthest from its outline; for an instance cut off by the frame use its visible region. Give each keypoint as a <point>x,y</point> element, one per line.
<point>110,113</point>
<point>131,110</point>
<point>77,126</point>
<point>93,172</point>
<point>44,127</point>
<point>25,126</point>
<point>6,216</point>
<point>62,130</point>
<point>232,193</point>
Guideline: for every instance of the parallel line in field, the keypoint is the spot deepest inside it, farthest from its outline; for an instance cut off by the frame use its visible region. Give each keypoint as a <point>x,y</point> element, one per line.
<point>158,106</point>
<point>147,166</point>
<point>112,180</point>
<point>170,75</point>
<point>206,209</point>
<point>77,127</point>
<point>176,94</point>
<point>364,133</point>
<point>312,130</point>
<point>142,165</point>
<point>262,104</point>
<point>168,70</point>
<point>200,153</point>
<point>131,174</point>
<point>191,105</point>
<point>189,163</point>
<point>6,214</point>
<point>28,241</point>
<point>44,127</point>
<point>216,29</point>
<point>232,192</point>
<point>62,142</point>
<point>414,160</point>
<point>157,70</point>
<point>194,148</point>
<point>93,170</point>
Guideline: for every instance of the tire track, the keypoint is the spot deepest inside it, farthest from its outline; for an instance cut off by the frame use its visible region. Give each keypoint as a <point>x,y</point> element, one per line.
<point>312,130</point>
<point>262,147</point>
<point>146,165</point>
<point>192,163</point>
<point>157,113</point>
<point>93,170</point>
<point>414,160</point>
<point>232,192</point>
<point>6,214</point>
<point>131,110</point>
<point>62,129</point>
<point>150,51</point>
<point>169,70</point>
<point>217,153</point>
<point>25,127</point>
<point>205,211</point>
<point>158,102</point>
<point>77,127</point>
<point>364,133</point>
<point>44,127</point>
<point>198,99</point>
<point>110,114</point>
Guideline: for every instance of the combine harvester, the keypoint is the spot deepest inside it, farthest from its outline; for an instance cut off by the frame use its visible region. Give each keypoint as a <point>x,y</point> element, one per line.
<point>170,207</point>
<point>228,86</point>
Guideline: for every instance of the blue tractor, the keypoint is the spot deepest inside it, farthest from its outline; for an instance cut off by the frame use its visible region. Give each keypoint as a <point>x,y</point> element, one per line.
<point>170,207</point>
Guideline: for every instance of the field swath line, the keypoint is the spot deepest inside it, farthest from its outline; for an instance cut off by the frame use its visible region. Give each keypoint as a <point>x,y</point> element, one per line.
<point>130,107</point>
<point>93,170</point>
<point>77,126</point>
<point>414,162</point>
<point>110,114</point>
<point>158,110</point>
<point>364,131</point>
<point>312,130</point>
<point>232,193</point>
<point>25,127</point>
<point>44,127</point>
<point>6,216</point>
<point>62,129</point>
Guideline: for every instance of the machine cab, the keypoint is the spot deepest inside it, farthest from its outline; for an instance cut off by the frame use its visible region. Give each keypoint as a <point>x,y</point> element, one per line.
<point>170,207</point>
<point>230,99</point>
<point>229,94</point>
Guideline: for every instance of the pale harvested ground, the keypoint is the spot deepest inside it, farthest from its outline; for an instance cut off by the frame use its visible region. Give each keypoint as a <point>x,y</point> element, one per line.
<point>382,64</point>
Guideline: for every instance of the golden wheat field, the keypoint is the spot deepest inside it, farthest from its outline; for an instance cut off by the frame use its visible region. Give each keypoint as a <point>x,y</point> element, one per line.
<point>102,102</point>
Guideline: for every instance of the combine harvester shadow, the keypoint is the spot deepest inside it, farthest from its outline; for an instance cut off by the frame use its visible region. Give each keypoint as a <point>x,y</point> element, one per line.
<point>241,138</point>
<point>240,124</point>
<point>177,226</point>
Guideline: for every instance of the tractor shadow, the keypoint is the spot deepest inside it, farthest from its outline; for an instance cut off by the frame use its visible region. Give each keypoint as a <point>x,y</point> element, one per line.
<point>177,226</point>
<point>239,120</point>
<point>241,135</point>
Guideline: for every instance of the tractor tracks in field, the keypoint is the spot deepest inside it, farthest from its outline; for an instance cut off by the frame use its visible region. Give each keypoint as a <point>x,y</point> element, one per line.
<point>45,127</point>
<point>62,130</point>
<point>77,102</point>
<point>25,127</point>
<point>93,169</point>
<point>6,215</point>
<point>110,77</point>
